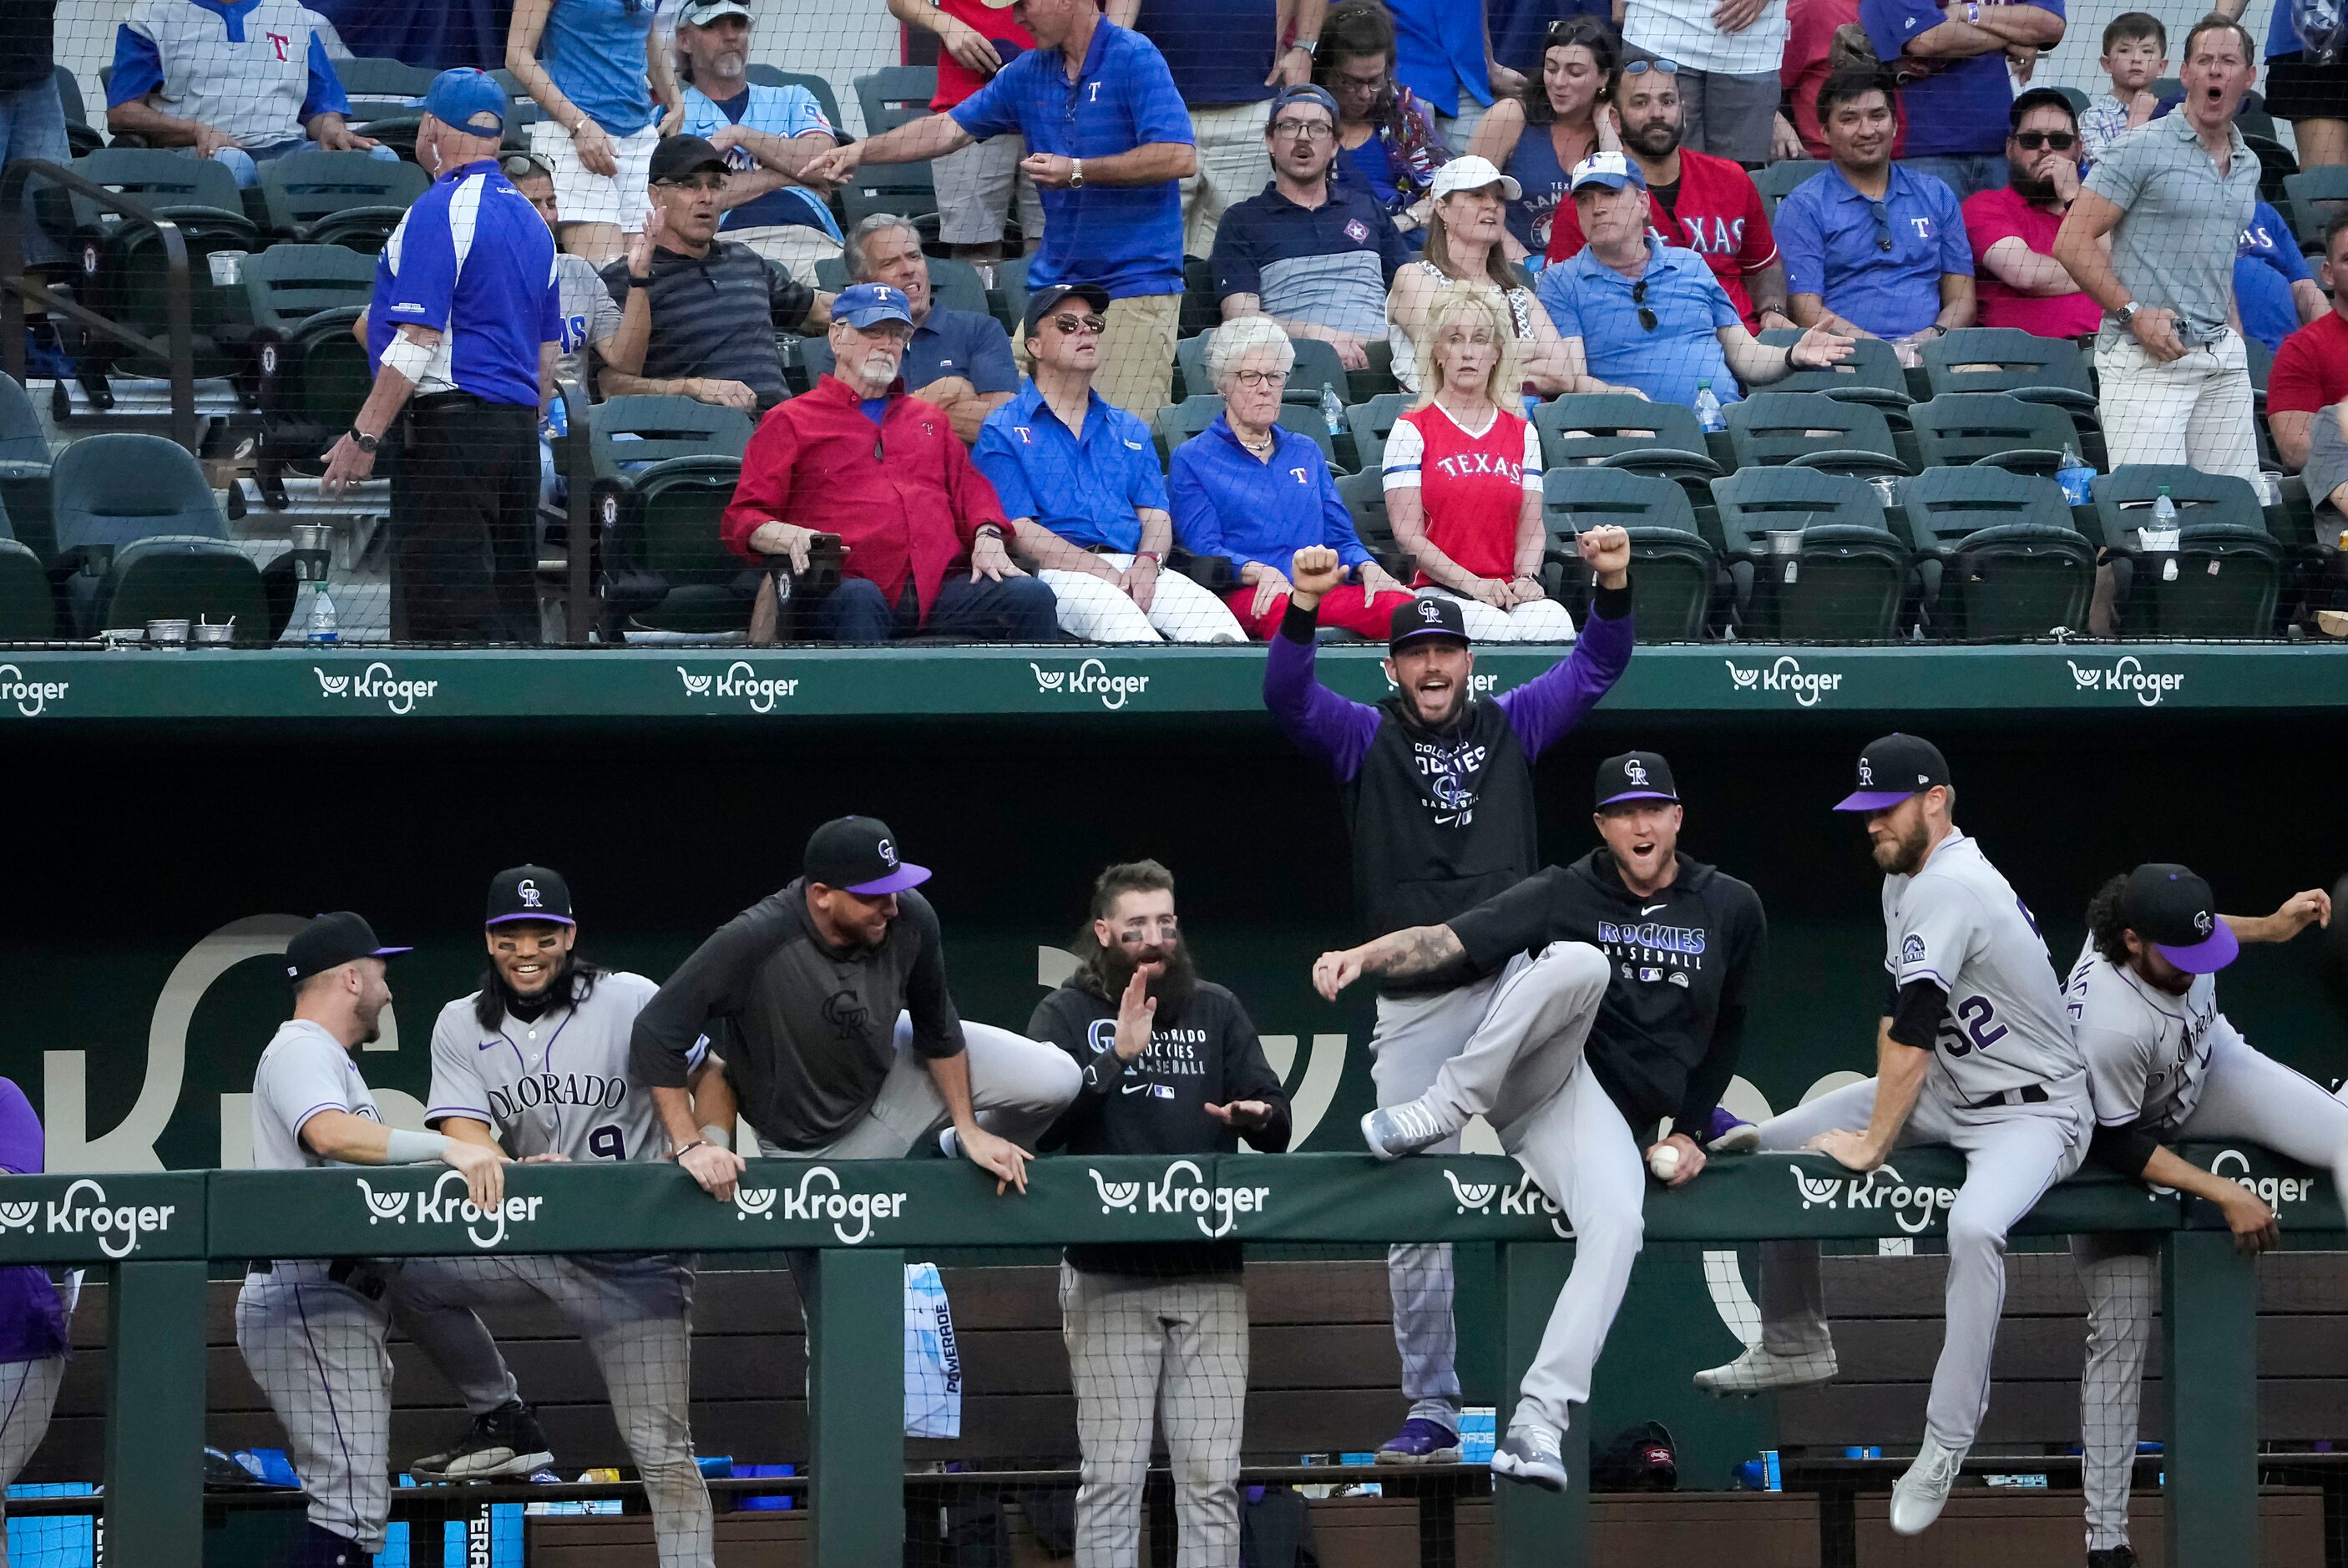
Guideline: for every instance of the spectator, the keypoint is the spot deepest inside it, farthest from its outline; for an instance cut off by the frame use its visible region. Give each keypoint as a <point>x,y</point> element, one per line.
<point>926,543</point>
<point>237,85</point>
<point>699,313</point>
<point>1108,140</point>
<point>1386,137</point>
<point>2273,293</point>
<point>1463,477</point>
<point>1464,229</point>
<point>1313,252</point>
<point>2307,81</point>
<point>1081,481</point>
<point>2173,378</point>
<point>1810,58</point>
<point>1651,319</point>
<point>1564,107</point>
<point>768,135</point>
<point>1443,53</point>
<point>975,184</point>
<point>2012,228</point>
<point>1255,494</point>
<point>1728,54</point>
<point>2136,56</point>
<point>34,1338</point>
<point>1953,60</point>
<point>586,315</point>
<point>959,359</point>
<point>1874,249</point>
<point>2311,369</point>
<point>32,114</point>
<point>1519,29</point>
<point>1170,1065</point>
<point>599,69</point>
<point>1227,58</point>
<point>462,330</point>
<point>1708,204</point>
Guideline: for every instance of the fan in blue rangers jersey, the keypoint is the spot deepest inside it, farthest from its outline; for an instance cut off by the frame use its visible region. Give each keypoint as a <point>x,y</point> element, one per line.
<point>536,1063</point>
<point>2164,1064</point>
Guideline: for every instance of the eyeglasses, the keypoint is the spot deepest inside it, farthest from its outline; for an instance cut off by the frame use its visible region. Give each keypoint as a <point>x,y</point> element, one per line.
<point>1882,225</point>
<point>1261,378</point>
<point>1639,298</point>
<point>696,182</point>
<point>1641,68</point>
<point>2032,140</point>
<point>1073,325</point>
<point>1302,129</point>
<point>1346,81</point>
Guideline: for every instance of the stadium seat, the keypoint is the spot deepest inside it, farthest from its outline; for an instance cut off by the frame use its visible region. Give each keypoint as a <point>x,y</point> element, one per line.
<point>664,470</point>
<point>29,610</point>
<point>81,136</point>
<point>1674,569</point>
<point>1364,495</point>
<point>338,197</point>
<point>1809,430</point>
<point>174,577</point>
<point>1846,578</point>
<point>1371,422</point>
<point>903,189</point>
<point>1871,375</point>
<point>2229,568</point>
<point>1778,180</point>
<point>1177,422</point>
<point>1008,298</point>
<point>953,285</point>
<point>2007,359</point>
<point>130,285</point>
<point>825,100</point>
<point>1201,311</point>
<point>2276,163</point>
<point>1614,429</point>
<point>1317,368</point>
<point>2314,196</point>
<point>894,96</point>
<point>24,469</point>
<point>309,374</point>
<point>1993,429</point>
<point>1996,553</point>
<point>116,493</point>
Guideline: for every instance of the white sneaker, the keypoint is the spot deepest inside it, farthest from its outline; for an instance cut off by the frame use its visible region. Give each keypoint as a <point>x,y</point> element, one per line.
<point>1530,1453</point>
<point>1758,1370</point>
<point>1405,1129</point>
<point>1917,1497</point>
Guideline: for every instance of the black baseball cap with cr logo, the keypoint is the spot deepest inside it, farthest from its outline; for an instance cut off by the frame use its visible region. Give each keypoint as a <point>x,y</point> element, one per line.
<point>529,893</point>
<point>1428,617</point>
<point>1892,769</point>
<point>2174,910</point>
<point>859,853</point>
<point>1635,776</point>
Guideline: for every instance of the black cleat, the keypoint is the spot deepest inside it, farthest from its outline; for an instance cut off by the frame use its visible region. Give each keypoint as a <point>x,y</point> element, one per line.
<point>505,1441</point>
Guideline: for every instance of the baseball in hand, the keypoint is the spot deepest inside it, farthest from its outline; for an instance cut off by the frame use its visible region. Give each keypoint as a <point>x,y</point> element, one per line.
<point>1664,1161</point>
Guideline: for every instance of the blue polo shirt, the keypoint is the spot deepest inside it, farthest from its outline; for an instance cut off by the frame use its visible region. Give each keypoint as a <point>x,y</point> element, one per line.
<point>473,259</point>
<point>1084,488</point>
<point>1831,241</point>
<point>1438,49</point>
<point>1330,265</point>
<point>1590,300</point>
<point>1960,108</point>
<point>1127,239</point>
<point>961,343</point>
<point>1218,51</point>
<point>2266,264</point>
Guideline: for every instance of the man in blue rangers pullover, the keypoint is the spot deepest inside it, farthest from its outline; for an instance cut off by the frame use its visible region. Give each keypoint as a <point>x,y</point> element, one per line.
<point>1439,794</point>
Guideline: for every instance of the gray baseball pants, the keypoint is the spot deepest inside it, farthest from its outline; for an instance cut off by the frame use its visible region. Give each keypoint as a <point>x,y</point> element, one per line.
<point>1018,1086</point>
<point>28,1392</point>
<point>2249,1096</point>
<point>2013,1153</point>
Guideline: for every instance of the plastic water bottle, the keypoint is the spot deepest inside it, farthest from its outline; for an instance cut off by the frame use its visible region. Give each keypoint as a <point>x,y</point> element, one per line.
<point>2160,539</point>
<point>558,418</point>
<point>323,626</point>
<point>2078,480</point>
<point>1707,408</point>
<point>1333,411</point>
<point>2164,510</point>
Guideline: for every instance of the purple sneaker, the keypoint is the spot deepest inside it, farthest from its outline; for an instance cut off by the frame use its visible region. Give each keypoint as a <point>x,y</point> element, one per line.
<point>1725,1134</point>
<point>1421,1442</point>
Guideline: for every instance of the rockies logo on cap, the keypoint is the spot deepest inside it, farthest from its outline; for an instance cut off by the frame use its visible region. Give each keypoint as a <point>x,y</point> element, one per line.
<point>1866,773</point>
<point>1635,771</point>
<point>530,897</point>
<point>529,893</point>
<point>2173,910</point>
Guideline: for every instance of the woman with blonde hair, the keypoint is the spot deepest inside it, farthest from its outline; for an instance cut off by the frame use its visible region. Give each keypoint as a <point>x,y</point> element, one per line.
<point>1465,226</point>
<point>1463,476</point>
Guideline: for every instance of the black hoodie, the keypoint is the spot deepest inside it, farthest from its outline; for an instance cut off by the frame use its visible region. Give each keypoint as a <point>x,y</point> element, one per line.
<point>1666,1038</point>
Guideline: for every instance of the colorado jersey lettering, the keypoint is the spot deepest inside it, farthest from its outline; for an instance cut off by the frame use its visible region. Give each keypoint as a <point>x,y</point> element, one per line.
<point>2148,1052</point>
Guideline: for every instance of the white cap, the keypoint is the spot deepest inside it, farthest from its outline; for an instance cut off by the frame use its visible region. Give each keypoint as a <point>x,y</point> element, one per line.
<point>1472,173</point>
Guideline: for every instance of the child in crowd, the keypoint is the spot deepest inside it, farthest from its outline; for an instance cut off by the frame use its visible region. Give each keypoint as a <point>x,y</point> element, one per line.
<point>2135,54</point>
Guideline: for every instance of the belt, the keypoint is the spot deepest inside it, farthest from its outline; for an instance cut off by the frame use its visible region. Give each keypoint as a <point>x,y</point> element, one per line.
<point>2028,1094</point>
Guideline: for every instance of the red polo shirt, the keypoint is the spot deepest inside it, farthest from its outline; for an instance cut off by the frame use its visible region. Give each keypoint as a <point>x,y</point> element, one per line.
<point>902,495</point>
<point>1716,213</point>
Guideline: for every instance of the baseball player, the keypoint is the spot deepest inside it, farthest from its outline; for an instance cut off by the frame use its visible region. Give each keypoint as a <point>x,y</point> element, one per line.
<point>311,1330</point>
<point>1438,795</point>
<point>2164,1064</point>
<point>535,1064</point>
<point>1975,1050</point>
<point>1628,1010</point>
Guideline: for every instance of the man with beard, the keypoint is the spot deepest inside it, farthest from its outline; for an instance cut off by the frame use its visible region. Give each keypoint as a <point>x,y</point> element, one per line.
<point>1634,963</point>
<point>1438,797</point>
<point>1708,204</point>
<point>1973,1051</point>
<point>534,1065</point>
<point>2167,1066</point>
<point>2013,229</point>
<point>1171,1066</point>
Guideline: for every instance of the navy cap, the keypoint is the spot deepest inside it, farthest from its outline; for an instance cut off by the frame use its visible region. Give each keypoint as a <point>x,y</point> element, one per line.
<point>1303,92</point>
<point>468,100</point>
<point>1636,776</point>
<point>1043,301</point>
<point>331,941</point>
<point>859,853</point>
<point>1892,769</point>
<point>868,304</point>
<point>1612,171</point>
<point>1428,617</point>
<point>529,893</point>
<point>2174,910</point>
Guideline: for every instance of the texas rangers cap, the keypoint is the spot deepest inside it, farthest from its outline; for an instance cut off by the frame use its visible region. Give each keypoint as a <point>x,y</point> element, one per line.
<point>868,304</point>
<point>1892,769</point>
<point>1043,301</point>
<point>1610,170</point>
<point>529,893</point>
<point>468,100</point>
<point>1429,618</point>
<point>2171,908</point>
<point>859,853</point>
<point>331,941</point>
<point>1635,776</point>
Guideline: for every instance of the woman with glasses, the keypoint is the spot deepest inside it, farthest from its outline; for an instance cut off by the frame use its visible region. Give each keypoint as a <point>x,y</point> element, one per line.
<point>1385,137</point>
<point>1255,494</point>
<point>1463,477</point>
<point>1466,226</point>
<point>599,70</point>
<point>1557,120</point>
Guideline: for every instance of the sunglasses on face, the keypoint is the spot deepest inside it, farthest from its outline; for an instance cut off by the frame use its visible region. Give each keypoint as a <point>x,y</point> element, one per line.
<point>2032,140</point>
<point>1639,298</point>
<point>520,168</point>
<point>1882,225</point>
<point>1073,325</point>
<point>1641,68</point>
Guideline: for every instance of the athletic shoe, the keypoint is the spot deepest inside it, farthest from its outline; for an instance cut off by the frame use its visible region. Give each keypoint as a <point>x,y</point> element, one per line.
<point>1917,1497</point>
<point>1758,1370</point>
<point>1403,1128</point>
<point>1421,1442</point>
<point>2112,1557</point>
<point>505,1441</point>
<point>1725,1134</point>
<point>1530,1454</point>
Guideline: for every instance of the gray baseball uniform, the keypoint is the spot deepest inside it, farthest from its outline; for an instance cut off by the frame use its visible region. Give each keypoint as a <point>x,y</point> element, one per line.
<point>2178,1066</point>
<point>2006,1088</point>
<point>559,1084</point>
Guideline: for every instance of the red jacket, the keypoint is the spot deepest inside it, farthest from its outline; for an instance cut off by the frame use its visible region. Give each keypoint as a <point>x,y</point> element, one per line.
<point>905,498</point>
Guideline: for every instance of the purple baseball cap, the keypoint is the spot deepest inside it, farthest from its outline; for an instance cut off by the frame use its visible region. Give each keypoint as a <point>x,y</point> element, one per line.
<point>1892,769</point>
<point>859,853</point>
<point>2174,910</point>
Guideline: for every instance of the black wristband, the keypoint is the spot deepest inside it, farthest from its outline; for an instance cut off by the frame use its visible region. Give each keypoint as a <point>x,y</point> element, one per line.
<point>1612,603</point>
<point>1300,625</point>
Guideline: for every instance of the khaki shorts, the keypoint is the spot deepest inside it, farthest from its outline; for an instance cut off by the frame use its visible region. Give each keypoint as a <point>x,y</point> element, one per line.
<point>1137,353</point>
<point>975,185</point>
<point>581,197</point>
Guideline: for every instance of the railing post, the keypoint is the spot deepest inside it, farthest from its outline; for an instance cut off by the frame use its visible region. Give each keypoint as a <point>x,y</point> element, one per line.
<point>155,1413</point>
<point>1535,1528</point>
<point>856,1405</point>
<point>2209,1382</point>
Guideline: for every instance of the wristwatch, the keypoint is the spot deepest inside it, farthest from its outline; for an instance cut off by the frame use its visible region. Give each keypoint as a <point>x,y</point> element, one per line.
<point>2127,313</point>
<point>1076,174</point>
<point>1312,46</point>
<point>365,442</point>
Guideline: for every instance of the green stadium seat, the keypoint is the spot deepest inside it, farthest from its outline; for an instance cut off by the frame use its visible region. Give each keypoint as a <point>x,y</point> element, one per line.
<point>81,136</point>
<point>665,468</point>
<point>309,374</point>
<point>1317,368</point>
<point>29,610</point>
<point>25,471</point>
<point>1778,180</point>
<point>1993,429</point>
<point>2276,164</point>
<point>894,96</point>
<point>1809,430</point>
<point>2229,568</point>
<point>1371,422</point>
<point>1008,298</point>
<point>1997,554</point>
<point>200,198</point>
<point>172,577</point>
<point>115,492</point>
<point>2007,359</point>
<point>1674,569</point>
<point>348,199</point>
<point>1364,495</point>
<point>1845,581</point>
<point>2315,196</point>
<point>954,285</point>
<point>1614,429</point>
<point>903,189</point>
<point>1871,375</point>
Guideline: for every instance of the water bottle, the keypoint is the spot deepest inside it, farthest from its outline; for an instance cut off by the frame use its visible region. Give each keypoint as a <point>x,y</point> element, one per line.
<point>324,627</point>
<point>2160,539</point>
<point>1707,408</point>
<point>1333,411</point>
<point>558,418</point>
<point>2078,480</point>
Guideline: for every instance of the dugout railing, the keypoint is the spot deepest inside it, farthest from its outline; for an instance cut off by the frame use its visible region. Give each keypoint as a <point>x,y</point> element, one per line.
<point>158,1233</point>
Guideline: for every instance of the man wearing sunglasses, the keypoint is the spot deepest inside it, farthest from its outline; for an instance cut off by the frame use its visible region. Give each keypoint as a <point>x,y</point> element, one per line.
<point>2012,230</point>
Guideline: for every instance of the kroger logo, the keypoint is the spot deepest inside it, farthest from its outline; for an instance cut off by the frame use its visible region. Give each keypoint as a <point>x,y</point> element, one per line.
<point>1090,678</point>
<point>376,683</point>
<point>1786,675</point>
<point>741,679</point>
<point>1911,1207</point>
<point>30,696</point>
<point>84,1211</point>
<point>2272,1190</point>
<point>1183,1189</point>
<point>818,1198</point>
<point>446,1204</point>
<point>2126,673</point>
<point>1522,1198</point>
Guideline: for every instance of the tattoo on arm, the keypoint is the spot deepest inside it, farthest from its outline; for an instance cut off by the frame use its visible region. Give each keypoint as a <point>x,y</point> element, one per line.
<point>1414,954</point>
